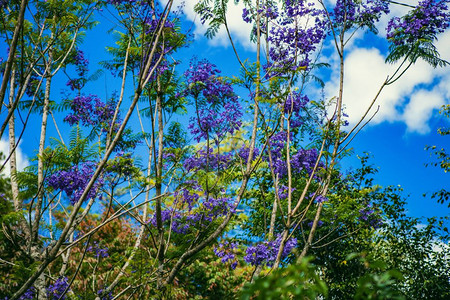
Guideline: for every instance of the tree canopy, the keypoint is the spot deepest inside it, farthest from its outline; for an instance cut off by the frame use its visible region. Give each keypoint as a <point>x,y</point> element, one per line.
<point>185,183</point>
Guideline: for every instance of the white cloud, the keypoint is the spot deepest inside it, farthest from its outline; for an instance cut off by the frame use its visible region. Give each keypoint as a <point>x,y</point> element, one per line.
<point>412,99</point>
<point>239,30</point>
<point>420,109</point>
<point>22,160</point>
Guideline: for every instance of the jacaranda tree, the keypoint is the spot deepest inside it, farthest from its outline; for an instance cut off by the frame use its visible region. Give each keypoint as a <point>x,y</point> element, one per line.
<point>122,200</point>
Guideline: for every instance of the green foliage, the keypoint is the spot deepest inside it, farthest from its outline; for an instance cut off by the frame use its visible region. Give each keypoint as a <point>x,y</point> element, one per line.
<point>418,249</point>
<point>424,49</point>
<point>208,278</point>
<point>377,283</point>
<point>296,281</point>
<point>215,15</point>
<point>443,158</point>
<point>14,265</point>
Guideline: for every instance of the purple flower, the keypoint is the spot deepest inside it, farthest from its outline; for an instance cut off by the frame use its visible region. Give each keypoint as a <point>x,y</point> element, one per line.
<point>218,109</point>
<point>29,294</point>
<point>319,223</point>
<point>321,199</point>
<point>283,191</point>
<point>226,252</point>
<point>361,13</point>
<point>266,251</point>
<point>190,194</point>
<point>90,110</point>
<point>429,18</point>
<point>208,161</point>
<point>291,41</point>
<point>369,216</point>
<point>302,161</point>
<point>81,66</point>
<point>199,214</point>
<point>121,2</point>
<point>103,295</point>
<point>246,15</point>
<point>245,151</point>
<point>165,216</point>
<point>74,180</point>
<point>99,252</point>
<point>55,291</point>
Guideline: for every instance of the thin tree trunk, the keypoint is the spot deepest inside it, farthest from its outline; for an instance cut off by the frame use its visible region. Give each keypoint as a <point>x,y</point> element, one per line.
<point>12,148</point>
<point>12,51</point>
<point>40,196</point>
<point>311,233</point>
<point>158,186</point>
<point>35,249</point>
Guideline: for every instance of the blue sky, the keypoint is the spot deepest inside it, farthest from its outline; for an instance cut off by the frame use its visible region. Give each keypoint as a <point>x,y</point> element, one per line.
<point>406,122</point>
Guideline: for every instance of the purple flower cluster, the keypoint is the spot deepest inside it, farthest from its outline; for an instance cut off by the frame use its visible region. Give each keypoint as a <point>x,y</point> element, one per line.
<point>29,294</point>
<point>277,144</point>
<point>277,147</point>
<point>215,207</point>
<point>103,296</point>
<point>206,212</point>
<point>321,199</point>
<point>244,152</point>
<point>302,161</point>
<point>208,160</point>
<point>211,122</point>
<point>429,18</point>
<point>269,11</point>
<point>81,64</point>
<point>319,223</point>
<point>283,191</point>
<point>291,41</point>
<point>294,105</point>
<point>165,216</point>
<point>190,194</point>
<point>266,252</point>
<point>120,2</point>
<point>99,252</point>
<point>164,47</point>
<point>218,108</point>
<point>225,251</point>
<point>247,15</point>
<point>370,216</point>
<point>362,13</point>
<point>153,23</point>
<point>90,110</point>
<point>55,291</point>
<point>74,180</point>
<point>200,214</point>
<point>203,78</point>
